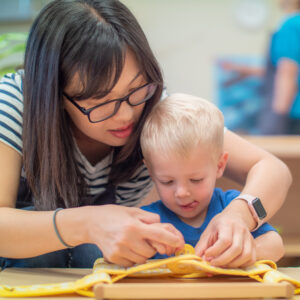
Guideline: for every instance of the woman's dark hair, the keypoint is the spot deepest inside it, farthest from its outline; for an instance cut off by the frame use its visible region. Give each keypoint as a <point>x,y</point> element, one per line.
<point>88,38</point>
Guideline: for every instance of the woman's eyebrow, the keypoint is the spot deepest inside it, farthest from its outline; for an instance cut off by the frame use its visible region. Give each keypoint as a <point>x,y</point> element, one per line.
<point>135,77</point>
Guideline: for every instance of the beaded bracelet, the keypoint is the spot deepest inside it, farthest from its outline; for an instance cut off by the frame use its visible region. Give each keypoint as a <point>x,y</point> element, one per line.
<point>56,230</point>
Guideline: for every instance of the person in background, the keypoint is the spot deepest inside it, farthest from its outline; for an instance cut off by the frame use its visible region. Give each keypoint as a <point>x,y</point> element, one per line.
<point>71,169</point>
<point>182,144</point>
<point>280,112</point>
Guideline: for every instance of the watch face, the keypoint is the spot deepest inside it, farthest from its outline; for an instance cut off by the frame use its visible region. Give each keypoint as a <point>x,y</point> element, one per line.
<point>261,213</point>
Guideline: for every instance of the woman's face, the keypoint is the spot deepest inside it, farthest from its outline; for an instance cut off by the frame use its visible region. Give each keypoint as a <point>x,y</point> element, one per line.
<point>116,130</point>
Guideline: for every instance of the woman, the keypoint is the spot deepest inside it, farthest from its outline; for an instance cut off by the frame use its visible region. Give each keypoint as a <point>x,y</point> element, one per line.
<point>89,81</point>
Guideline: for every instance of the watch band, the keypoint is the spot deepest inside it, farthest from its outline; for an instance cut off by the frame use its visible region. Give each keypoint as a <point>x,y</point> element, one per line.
<point>256,208</point>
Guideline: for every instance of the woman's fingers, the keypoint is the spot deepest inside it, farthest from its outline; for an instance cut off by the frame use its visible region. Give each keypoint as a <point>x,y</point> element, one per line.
<point>234,250</point>
<point>220,246</point>
<point>248,255</point>
<point>162,233</point>
<point>211,236</point>
<point>146,216</point>
<point>120,261</point>
<point>124,235</point>
<point>160,248</point>
<point>227,242</point>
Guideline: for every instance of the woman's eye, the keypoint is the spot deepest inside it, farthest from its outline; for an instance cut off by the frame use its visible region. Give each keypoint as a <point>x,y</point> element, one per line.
<point>94,102</point>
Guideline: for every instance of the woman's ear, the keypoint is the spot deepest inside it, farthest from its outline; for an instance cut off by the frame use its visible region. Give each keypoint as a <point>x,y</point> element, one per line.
<point>222,164</point>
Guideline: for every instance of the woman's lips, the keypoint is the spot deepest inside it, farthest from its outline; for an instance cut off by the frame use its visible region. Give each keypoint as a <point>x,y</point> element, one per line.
<point>122,132</point>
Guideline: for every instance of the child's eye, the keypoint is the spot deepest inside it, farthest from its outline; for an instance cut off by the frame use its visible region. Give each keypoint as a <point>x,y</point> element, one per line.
<point>166,182</point>
<point>196,180</point>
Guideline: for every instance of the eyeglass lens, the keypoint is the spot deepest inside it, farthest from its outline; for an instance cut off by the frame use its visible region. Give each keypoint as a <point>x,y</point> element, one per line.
<point>139,96</point>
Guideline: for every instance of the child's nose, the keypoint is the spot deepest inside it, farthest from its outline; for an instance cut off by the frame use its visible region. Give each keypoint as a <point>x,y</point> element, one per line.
<point>182,192</point>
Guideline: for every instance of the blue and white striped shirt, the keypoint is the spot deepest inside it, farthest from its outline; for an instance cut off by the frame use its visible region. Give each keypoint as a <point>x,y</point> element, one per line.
<point>11,119</point>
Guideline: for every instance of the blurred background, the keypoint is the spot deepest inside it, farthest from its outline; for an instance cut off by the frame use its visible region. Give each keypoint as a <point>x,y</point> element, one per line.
<point>187,36</point>
<point>190,38</point>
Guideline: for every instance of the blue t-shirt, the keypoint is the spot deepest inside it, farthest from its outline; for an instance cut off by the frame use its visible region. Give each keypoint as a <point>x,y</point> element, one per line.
<point>191,234</point>
<point>286,44</point>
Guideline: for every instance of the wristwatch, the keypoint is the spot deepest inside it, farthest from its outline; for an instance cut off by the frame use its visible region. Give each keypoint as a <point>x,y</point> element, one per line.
<point>256,208</point>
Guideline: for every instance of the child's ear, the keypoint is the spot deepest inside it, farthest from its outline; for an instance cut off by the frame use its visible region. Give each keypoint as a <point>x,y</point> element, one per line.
<point>147,165</point>
<point>222,164</point>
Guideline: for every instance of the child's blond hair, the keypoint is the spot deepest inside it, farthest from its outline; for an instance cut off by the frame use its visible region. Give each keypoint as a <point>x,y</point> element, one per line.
<point>180,123</point>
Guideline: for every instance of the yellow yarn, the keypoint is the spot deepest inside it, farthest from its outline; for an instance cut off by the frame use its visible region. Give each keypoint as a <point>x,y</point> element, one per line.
<point>185,265</point>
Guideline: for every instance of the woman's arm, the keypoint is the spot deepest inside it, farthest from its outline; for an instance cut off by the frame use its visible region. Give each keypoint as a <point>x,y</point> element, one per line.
<point>23,233</point>
<point>122,233</point>
<point>262,175</point>
<point>269,246</point>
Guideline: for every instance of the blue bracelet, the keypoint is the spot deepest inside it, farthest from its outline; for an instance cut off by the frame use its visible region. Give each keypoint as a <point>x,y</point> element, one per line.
<point>56,230</point>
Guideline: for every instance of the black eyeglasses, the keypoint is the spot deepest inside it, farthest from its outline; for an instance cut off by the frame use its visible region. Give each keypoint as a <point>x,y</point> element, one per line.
<point>104,111</point>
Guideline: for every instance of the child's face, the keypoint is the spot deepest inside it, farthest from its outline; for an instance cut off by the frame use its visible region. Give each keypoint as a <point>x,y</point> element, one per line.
<point>186,185</point>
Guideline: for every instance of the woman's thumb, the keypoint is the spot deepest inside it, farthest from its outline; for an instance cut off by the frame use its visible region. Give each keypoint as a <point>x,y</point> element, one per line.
<point>148,217</point>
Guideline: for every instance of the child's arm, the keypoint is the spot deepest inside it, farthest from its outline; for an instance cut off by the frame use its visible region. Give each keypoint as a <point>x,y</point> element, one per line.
<point>269,246</point>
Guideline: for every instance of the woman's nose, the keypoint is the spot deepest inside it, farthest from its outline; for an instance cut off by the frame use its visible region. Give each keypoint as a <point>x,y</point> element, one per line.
<point>125,112</point>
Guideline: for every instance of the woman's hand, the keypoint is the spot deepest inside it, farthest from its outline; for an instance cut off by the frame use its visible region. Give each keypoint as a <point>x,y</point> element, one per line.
<point>165,249</point>
<point>227,242</point>
<point>124,234</point>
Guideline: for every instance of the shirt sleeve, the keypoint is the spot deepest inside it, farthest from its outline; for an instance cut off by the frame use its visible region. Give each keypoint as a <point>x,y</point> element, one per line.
<point>228,196</point>
<point>286,41</point>
<point>266,227</point>
<point>11,111</point>
<point>130,193</point>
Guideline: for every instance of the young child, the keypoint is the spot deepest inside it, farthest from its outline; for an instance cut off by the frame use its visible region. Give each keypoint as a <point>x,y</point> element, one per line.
<point>182,144</point>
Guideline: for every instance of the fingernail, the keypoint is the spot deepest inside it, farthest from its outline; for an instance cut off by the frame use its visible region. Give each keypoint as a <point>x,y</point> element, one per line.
<point>208,258</point>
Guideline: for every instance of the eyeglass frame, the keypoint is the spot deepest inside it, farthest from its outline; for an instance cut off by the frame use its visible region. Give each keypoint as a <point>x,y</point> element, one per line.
<point>119,101</point>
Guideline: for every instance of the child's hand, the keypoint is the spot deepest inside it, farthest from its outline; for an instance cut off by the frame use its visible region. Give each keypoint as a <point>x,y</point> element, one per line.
<point>227,242</point>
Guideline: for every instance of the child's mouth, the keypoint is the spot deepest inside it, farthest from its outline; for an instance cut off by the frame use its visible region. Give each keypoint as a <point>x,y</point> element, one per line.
<point>189,206</point>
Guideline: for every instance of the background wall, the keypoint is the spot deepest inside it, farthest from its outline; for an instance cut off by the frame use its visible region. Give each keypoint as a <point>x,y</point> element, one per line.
<point>188,35</point>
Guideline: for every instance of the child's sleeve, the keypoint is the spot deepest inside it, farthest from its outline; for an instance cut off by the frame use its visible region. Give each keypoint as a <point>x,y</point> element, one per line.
<point>266,227</point>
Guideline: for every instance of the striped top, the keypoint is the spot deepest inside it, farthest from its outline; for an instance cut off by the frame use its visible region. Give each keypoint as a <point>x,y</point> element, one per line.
<point>11,119</point>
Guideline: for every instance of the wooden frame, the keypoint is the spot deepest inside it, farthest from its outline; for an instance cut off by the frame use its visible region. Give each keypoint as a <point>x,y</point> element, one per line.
<point>221,288</point>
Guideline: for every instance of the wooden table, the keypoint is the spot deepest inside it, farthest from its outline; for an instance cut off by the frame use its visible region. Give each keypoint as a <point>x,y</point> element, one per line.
<point>38,276</point>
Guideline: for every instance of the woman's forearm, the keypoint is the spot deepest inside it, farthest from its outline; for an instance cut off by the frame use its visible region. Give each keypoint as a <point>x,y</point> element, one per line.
<point>261,174</point>
<point>269,180</point>
<point>31,233</point>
